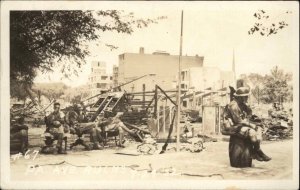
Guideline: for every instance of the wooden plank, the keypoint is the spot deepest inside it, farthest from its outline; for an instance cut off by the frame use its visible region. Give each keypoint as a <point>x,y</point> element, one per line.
<point>140,102</point>
<point>136,127</point>
<point>155,101</point>
<point>166,94</point>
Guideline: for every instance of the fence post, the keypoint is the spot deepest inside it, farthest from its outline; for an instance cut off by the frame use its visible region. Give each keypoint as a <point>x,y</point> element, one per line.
<point>164,117</point>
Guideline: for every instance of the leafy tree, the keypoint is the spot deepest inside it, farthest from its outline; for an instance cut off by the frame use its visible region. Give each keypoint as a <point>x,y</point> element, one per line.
<point>18,91</point>
<point>77,94</point>
<point>277,87</point>
<point>270,88</point>
<point>266,25</point>
<point>51,91</point>
<point>41,40</point>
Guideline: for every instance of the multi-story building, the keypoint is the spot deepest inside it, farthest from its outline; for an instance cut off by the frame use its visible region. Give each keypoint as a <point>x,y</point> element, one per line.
<point>115,75</point>
<point>159,68</point>
<point>99,80</point>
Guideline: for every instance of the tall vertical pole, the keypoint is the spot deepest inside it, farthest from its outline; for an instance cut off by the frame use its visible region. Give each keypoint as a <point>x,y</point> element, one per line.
<point>164,115</point>
<point>233,69</point>
<point>179,88</point>
<point>144,89</point>
<point>158,118</point>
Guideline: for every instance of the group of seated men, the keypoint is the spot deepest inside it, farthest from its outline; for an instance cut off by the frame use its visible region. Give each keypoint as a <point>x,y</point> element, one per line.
<point>77,122</point>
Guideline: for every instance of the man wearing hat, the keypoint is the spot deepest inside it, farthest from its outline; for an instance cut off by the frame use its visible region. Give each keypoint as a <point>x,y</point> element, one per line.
<point>238,115</point>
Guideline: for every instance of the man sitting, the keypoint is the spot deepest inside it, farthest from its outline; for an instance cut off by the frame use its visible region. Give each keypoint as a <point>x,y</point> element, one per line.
<point>115,124</point>
<point>79,124</point>
<point>18,130</point>
<point>55,126</point>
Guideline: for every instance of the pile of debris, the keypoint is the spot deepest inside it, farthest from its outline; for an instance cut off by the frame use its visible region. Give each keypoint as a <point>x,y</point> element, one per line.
<point>195,144</point>
<point>278,130</point>
<point>149,145</point>
<point>279,114</point>
<point>279,126</point>
<point>135,117</point>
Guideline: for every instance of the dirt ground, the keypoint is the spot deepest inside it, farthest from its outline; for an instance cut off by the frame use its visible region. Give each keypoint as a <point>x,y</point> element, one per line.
<point>126,164</point>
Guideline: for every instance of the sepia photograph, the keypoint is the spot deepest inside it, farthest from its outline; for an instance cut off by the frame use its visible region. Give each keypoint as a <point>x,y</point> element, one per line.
<point>149,95</point>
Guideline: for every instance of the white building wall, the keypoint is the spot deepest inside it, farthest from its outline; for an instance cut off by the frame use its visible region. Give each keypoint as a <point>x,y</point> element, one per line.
<point>99,79</point>
<point>164,66</point>
<point>206,77</point>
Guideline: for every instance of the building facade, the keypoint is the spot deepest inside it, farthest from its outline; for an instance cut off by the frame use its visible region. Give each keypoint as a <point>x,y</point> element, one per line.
<point>159,68</point>
<point>99,80</point>
<point>202,78</point>
<point>115,75</point>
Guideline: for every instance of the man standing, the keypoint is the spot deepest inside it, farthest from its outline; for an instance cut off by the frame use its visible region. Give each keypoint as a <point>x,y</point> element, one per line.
<point>55,126</point>
<point>238,114</point>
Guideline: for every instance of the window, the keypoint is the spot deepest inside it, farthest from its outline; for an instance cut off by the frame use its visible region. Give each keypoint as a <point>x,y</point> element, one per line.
<point>121,56</point>
<point>111,78</point>
<point>184,104</point>
<point>101,85</point>
<point>103,77</point>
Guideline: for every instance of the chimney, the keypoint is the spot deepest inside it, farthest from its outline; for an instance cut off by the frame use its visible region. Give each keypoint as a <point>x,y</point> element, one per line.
<point>141,50</point>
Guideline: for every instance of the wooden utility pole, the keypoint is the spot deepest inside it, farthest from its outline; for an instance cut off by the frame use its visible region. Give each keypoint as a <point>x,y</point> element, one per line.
<point>144,89</point>
<point>233,69</point>
<point>179,89</point>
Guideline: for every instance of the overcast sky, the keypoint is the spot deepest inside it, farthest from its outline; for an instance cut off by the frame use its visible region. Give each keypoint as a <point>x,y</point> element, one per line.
<point>211,29</point>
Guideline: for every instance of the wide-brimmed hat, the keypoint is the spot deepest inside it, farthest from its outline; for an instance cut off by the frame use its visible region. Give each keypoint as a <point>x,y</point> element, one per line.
<point>242,91</point>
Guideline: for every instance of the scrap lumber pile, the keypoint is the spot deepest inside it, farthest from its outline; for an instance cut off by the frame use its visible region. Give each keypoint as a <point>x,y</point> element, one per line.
<point>281,114</point>
<point>195,144</point>
<point>135,117</point>
<point>138,131</point>
<point>278,130</point>
<point>137,122</point>
<point>149,146</point>
<point>279,125</point>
